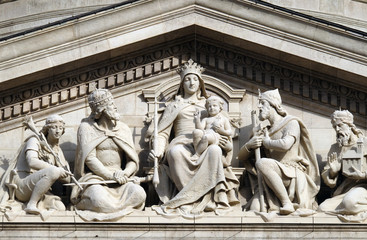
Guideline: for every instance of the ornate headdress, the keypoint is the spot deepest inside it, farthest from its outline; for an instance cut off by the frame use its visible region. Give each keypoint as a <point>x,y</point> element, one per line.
<point>99,97</point>
<point>273,97</point>
<point>190,67</point>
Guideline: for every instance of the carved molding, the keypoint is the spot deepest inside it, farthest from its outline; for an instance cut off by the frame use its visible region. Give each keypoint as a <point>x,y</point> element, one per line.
<point>216,57</point>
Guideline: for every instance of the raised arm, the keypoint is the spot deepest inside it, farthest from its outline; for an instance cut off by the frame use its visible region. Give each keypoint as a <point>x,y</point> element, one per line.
<point>199,124</point>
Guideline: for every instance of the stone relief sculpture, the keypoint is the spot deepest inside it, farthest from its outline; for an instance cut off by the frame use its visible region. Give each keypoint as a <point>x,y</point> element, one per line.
<point>289,168</point>
<point>38,165</point>
<point>190,186</point>
<point>346,170</point>
<point>209,130</point>
<point>105,152</point>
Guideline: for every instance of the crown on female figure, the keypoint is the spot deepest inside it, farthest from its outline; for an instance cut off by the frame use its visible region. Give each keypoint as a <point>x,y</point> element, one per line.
<point>99,96</point>
<point>190,67</point>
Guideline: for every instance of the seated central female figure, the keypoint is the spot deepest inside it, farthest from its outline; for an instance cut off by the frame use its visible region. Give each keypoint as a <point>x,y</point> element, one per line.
<point>190,187</point>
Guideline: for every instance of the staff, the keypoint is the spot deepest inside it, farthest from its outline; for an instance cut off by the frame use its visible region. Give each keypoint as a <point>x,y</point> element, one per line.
<point>29,124</point>
<point>155,145</point>
<point>133,179</point>
<point>257,157</point>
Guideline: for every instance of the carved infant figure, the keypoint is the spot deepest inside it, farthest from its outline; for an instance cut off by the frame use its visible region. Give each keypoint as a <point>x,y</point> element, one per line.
<point>209,130</point>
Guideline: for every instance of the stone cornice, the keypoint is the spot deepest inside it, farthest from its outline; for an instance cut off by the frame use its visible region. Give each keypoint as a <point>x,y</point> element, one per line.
<point>241,19</point>
<point>312,91</point>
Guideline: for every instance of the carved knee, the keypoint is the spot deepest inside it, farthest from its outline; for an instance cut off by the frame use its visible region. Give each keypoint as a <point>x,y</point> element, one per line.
<point>197,133</point>
<point>53,173</point>
<point>261,164</point>
<point>352,199</point>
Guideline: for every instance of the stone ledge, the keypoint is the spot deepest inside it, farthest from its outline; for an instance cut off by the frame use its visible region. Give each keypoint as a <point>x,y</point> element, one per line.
<point>147,224</point>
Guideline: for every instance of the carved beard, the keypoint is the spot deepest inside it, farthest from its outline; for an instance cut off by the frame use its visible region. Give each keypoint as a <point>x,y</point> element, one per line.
<point>112,114</point>
<point>342,139</point>
<point>264,114</point>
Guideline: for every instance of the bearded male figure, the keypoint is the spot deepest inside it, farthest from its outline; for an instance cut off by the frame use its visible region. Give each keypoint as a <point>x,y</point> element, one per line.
<point>350,197</point>
<point>106,151</point>
<point>289,168</point>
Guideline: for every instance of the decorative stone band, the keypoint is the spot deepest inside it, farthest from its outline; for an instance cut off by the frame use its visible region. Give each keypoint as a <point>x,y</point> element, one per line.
<point>216,57</point>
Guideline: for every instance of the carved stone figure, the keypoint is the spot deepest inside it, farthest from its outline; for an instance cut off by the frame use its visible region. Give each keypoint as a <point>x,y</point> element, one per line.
<point>38,165</point>
<point>105,152</point>
<point>289,168</point>
<point>209,130</point>
<point>188,187</point>
<point>346,170</point>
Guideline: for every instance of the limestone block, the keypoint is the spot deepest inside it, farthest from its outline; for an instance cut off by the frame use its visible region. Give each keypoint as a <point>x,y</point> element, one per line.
<point>120,78</point>
<point>26,107</point>
<point>129,76</point>
<point>157,67</point>
<point>7,113</point>
<point>147,70</point>
<point>16,110</point>
<point>73,92</point>
<point>54,98</point>
<point>45,101</point>
<point>82,90</point>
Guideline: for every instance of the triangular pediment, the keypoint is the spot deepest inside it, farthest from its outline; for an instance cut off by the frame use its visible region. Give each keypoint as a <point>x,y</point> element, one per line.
<point>134,48</point>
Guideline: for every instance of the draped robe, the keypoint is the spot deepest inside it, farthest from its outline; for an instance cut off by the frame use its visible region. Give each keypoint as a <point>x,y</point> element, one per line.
<point>191,187</point>
<point>105,202</point>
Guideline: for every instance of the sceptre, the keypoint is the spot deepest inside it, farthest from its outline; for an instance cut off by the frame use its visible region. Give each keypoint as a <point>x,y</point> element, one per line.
<point>29,124</point>
<point>155,174</point>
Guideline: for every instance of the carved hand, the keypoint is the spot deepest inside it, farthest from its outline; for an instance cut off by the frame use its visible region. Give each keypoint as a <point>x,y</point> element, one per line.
<point>197,114</point>
<point>225,144</point>
<point>153,155</point>
<point>218,127</point>
<point>334,164</point>
<point>254,142</point>
<point>356,174</point>
<point>120,177</point>
<point>63,172</point>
